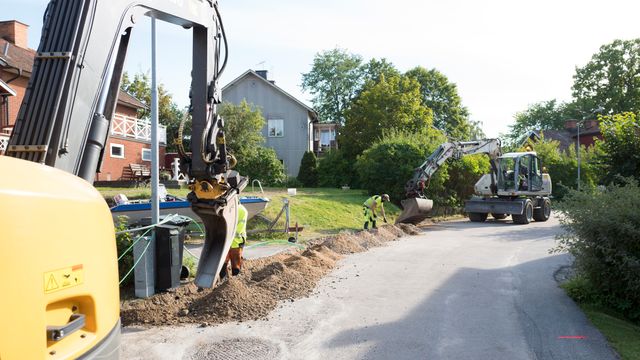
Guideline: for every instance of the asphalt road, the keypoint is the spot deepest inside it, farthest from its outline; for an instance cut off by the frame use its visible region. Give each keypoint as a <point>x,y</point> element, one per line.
<point>461,290</point>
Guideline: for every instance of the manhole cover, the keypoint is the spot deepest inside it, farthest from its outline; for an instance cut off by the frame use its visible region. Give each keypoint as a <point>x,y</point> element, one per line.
<point>234,349</point>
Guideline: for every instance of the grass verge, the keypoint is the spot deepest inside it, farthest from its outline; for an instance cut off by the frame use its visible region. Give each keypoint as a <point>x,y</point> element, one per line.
<point>622,334</point>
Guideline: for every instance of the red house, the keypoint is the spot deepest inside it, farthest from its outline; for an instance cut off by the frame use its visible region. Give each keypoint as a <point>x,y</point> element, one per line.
<point>129,140</point>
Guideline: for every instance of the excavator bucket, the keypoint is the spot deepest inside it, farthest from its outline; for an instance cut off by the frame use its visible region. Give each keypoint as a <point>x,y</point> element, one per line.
<point>414,210</point>
<point>220,228</point>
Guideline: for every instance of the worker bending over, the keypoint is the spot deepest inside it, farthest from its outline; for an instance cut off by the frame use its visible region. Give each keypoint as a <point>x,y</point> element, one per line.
<point>371,208</point>
<point>237,245</point>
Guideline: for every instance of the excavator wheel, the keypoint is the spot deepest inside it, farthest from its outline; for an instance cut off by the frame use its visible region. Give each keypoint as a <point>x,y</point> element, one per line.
<point>478,217</point>
<point>499,216</point>
<point>543,212</point>
<point>527,214</point>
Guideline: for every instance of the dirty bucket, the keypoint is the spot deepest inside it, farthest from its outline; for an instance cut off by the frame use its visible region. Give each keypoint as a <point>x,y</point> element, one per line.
<point>414,210</point>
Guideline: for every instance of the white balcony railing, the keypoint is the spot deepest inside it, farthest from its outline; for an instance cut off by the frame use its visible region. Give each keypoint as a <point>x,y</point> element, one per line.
<point>4,142</point>
<point>129,127</point>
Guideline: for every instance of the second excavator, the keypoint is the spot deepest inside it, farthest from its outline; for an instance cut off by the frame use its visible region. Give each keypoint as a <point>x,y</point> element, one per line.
<point>515,186</point>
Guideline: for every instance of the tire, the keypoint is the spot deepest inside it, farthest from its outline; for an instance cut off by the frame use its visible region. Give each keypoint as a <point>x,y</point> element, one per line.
<point>543,212</point>
<point>499,216</point>
<point>478,217</point>
<point>527,214</point>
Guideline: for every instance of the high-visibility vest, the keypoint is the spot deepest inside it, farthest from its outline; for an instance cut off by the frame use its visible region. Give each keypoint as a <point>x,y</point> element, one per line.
<point>377,199</point>
<point>241,228</point>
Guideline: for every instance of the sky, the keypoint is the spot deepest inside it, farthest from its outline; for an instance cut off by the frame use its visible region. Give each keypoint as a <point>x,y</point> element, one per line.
<point>502,55</point>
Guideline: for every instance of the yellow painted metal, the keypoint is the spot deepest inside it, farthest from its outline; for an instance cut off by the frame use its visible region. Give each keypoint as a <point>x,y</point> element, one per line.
<point>209,190</point>
<point>58,258</point>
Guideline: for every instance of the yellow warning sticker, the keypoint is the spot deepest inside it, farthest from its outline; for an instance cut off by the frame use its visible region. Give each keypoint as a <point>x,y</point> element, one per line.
<point>63,278</point>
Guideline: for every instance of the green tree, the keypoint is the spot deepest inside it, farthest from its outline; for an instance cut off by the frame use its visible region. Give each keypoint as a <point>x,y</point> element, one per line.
<point>393,103</point>
<point>243,126</point>
<point>611,79</point>
<point>441,96</point>
<point>544,115</point>
<point>621,146</point>
<point>374,69</point>
<point>308,173</point>
<point>334,80</point>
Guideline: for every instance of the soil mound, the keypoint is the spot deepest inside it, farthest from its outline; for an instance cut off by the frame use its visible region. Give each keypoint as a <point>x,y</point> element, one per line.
<point>261,285</point>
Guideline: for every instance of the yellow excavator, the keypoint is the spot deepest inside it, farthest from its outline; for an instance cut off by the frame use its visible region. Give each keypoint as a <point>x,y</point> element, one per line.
<point>516,185</point>
<point>60,295</point>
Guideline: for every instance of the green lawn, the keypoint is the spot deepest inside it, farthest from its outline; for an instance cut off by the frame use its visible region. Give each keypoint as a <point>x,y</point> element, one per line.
<point>320,211</point>
<point>623,335</point>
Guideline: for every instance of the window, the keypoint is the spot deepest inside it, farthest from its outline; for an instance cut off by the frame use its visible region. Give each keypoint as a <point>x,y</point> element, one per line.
<point>325,138</point>
<point>116,151</point>
<point>275,128</point>
<point>146,154</point>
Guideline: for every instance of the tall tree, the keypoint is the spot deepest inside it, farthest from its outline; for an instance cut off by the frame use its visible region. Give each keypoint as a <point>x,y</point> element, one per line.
<point>611,79</point>
<point>374,69</point>
<point>621,146</point>
<point>334,80</point>
<point>393,103</point>
<point>441,96</point>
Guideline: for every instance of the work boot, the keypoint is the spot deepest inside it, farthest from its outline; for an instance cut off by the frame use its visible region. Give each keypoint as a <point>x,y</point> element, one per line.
<point>366,225</point>
<point>223,272</point>
<point>373,226</point>
<point>235,272</point>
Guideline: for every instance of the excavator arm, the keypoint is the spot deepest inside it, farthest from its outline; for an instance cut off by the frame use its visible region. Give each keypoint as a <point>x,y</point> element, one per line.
<point>416,206</point>
<point>65,117</point>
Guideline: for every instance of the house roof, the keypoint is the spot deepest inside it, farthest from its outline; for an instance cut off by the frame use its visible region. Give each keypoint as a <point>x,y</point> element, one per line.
<point>16,56</point>
<point>127,99</point>
<point>313,113</point>
<point>5,89</point>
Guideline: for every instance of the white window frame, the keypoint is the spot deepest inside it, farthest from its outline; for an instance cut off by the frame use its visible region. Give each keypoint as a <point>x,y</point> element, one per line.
<point>145,150</point>
<point>274,122</point>
<point>118,146</point>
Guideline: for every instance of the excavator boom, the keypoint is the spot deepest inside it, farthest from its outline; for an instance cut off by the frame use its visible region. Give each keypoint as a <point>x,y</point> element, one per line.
<point>416,207</point>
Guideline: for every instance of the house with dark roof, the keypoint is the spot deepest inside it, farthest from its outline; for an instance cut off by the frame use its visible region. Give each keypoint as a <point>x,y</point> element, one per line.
<point>130,137</point>
<point>291,127</point>
<point>589,133</point>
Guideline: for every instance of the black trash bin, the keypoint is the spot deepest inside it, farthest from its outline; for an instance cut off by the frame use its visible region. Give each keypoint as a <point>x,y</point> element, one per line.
<point>169,252</point>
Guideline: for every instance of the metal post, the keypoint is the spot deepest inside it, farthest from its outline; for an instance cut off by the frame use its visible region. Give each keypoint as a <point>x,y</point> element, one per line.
<point>145,272</point>
<point>578,150</point>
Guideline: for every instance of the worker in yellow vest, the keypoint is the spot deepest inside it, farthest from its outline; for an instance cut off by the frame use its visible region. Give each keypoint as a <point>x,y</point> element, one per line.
<point>237,245</point>
<point>371,208</point>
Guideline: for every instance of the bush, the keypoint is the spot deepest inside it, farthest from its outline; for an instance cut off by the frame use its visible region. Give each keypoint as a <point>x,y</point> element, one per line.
<point>621,146</point>
<point>603,233</point>
<point>387,165</point>
<point>308,173</point>
<point>293,182</point>
<point>335,170</point>
<point>123,242</point>
<point>263,164</point>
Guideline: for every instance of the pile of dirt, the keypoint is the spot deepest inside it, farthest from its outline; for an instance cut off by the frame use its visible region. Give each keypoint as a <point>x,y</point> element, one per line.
<point>261,285</point>
<point>409,229</point>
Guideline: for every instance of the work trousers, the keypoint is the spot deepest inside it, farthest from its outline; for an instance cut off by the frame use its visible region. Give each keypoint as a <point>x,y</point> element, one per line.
<point>369,217</point>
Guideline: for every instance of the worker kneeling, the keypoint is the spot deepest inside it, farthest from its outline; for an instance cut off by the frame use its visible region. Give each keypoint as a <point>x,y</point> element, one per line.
<point>371,207</point>
<point>237,245</point>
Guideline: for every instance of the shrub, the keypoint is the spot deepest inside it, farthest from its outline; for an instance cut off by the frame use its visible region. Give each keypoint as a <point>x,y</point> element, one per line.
<point>308,173</point>
<point>603,233</point>
<point>263,164</point>
<point>123,242</point>
<point>621,146</point>
<point>335,170</point>
<point>293,182</point>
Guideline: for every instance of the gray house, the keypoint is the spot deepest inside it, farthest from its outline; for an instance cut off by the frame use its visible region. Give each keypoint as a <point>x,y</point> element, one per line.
<point>289,126</point>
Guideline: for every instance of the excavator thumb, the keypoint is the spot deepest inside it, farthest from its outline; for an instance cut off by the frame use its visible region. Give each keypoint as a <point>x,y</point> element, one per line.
<point>220,227</point>
<point>414,210</point>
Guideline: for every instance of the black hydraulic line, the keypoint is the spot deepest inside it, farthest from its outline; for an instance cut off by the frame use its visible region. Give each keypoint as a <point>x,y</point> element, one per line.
<point>224,39</point>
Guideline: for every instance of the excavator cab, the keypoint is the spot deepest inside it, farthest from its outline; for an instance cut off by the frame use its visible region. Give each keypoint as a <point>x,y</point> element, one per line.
<point>517,172</point>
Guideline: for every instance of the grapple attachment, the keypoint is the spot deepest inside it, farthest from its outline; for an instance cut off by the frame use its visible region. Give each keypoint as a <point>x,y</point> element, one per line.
<point>414,210</point>
<point>220,227</point>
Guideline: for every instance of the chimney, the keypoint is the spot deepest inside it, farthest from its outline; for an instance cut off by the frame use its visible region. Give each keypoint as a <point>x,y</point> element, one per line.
<point>262,74</point>
<point>15,32</point>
